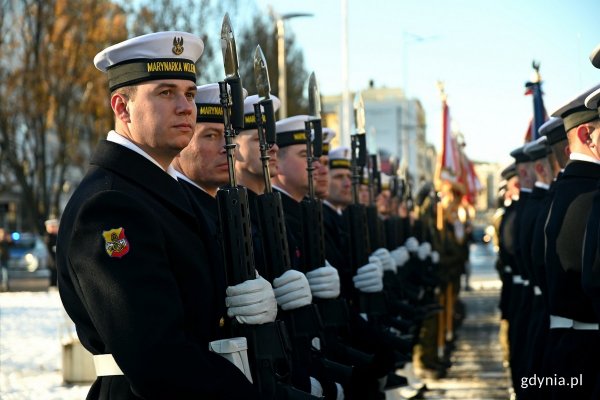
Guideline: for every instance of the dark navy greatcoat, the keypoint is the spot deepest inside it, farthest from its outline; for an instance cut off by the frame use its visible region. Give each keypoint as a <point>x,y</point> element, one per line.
<point>135,277</point>
<point>570,351</point>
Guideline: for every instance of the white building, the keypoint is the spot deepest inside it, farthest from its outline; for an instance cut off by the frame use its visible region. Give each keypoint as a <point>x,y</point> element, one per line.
<point>394,125</point>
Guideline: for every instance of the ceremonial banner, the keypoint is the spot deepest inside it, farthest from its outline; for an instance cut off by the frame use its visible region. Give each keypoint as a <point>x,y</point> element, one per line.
<point>534,88</point>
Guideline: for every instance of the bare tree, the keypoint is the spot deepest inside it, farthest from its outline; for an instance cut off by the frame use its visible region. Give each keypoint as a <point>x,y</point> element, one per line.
<point>52,101</point>
<point>262,32</point>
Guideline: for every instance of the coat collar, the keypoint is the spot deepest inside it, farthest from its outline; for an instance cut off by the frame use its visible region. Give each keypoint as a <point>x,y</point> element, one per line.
<point>582,169</point>
<point>141,172</point>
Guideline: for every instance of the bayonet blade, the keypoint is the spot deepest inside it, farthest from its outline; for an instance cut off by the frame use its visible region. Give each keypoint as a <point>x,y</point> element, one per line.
<point>359,114</point>
<point>263,86</point>
<point>314,109</point>
<point>314,97</point>
<point>261,74</point>
<point>230,60</point>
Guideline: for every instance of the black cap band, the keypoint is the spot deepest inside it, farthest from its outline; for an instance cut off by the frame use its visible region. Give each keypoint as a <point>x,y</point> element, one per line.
<point>520,156</point>
<point>250,121</point>
<point>290,138</point>
<point>339,163</point>
<point>209,113</point>
<point>141,70</point>
<point>509,172</point>
<point>556,135</point>
<point>579,116</point>
<point>539,152</point>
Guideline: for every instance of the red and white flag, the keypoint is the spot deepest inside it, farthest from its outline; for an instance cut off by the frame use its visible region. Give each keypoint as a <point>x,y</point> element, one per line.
<point>449,164</point>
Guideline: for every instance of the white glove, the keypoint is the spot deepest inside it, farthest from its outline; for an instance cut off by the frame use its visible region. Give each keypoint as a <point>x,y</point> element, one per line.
<point>251,302</point>
<point>369,278</point>
<point>412,244</point>
<point>424,250</point>
<point>315,387</point>
<point>387,262</point>
<point>435,257</point>
<point>324,282</point>
<point>292,290</point>
<point>376,261</point>
<point>400,256</point>
<point>339,392</point>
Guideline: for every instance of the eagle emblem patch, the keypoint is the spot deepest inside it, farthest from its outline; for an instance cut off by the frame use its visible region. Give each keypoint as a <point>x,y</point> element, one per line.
<point>177,48</point>
<point>115,242</point>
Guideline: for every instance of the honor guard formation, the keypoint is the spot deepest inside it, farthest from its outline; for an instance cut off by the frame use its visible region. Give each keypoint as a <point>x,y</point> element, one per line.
<point>548,227</point>
<point>214,252</point>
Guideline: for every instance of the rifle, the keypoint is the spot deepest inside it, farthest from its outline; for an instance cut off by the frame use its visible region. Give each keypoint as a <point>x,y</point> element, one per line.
<point>270,210</point>
<point>313,243</point>
<point>373,304</point>
<point>376,229</point>
<point>392,224</point>
<point>359,235</point>
<point>268,344</point>
<point>334,312</point>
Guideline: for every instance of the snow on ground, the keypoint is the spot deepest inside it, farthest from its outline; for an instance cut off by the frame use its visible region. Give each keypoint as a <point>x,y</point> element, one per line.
<point>31,327</point>
<point>33,323</point>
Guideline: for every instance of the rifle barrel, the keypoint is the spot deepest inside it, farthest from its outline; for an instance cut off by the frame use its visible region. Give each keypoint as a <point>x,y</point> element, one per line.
<point>229,131</point>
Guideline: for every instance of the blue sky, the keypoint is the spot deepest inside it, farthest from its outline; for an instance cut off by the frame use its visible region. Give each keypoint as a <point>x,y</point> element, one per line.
<point>482,50</point>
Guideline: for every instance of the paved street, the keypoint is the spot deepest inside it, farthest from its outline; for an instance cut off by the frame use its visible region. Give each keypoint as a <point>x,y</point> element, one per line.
<point>477,371</point>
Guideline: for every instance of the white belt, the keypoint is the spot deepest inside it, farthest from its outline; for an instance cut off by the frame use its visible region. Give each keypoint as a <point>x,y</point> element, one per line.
<point>507,269</point>
<point>537,291</point>
<point>517,280</point>
<point>557,322</point>
<point>525,282</point>
<point>106,365</point>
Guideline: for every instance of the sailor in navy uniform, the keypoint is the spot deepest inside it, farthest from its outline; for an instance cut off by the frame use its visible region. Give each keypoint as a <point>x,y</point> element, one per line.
<point>504,218</point>
<point>573,326</point>
<point>539,152</point>
<point>554,131</point>
<point>521,292</point>
<point>134,272</point>
<point>591,247</point>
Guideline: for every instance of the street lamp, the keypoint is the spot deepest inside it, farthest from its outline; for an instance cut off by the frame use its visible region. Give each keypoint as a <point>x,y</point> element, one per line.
<point>282,78</point>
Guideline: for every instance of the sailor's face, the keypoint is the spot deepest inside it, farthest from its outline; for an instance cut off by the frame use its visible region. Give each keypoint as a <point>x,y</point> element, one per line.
<point>162,116</point>
<point>321,177</point>
<point>340,187</point>
<point>248,154</point>
<point>291,167</point>
<point>204,160</point>
<point>363,194</point>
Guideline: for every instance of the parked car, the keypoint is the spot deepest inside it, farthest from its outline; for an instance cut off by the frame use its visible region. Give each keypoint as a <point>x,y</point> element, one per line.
<point>27,264</point>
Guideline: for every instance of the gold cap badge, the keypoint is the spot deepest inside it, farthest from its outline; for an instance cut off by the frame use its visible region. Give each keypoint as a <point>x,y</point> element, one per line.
<point>177,45</point>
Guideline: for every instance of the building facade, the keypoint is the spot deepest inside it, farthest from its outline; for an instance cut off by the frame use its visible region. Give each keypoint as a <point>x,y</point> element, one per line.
<point>395,126</point>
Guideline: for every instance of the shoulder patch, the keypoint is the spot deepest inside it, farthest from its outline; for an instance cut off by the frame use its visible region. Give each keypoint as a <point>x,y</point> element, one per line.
<point>115,242</point>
